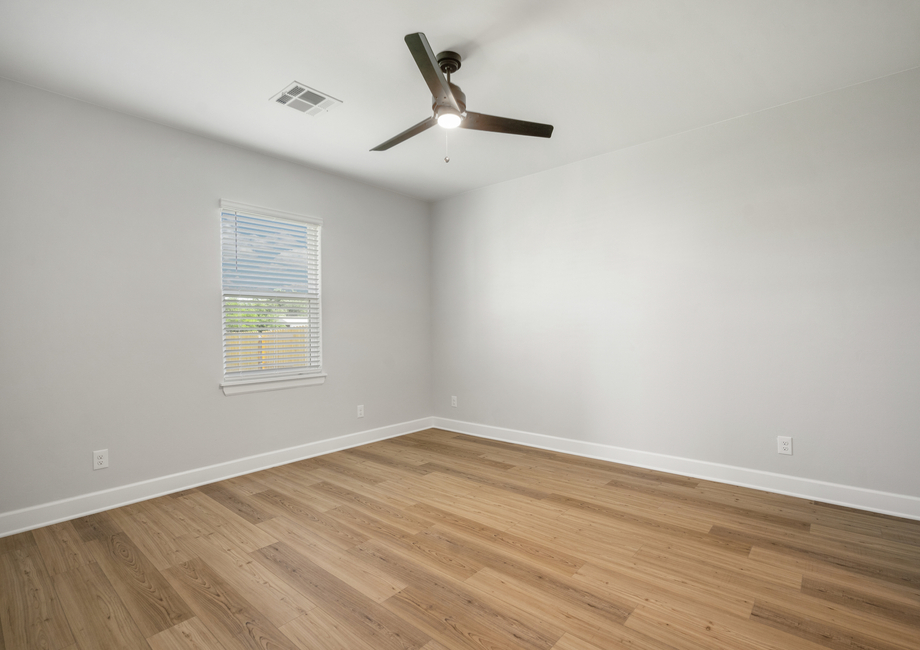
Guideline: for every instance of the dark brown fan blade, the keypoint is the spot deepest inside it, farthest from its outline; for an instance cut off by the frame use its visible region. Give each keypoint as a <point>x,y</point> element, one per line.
<point>431,71</point>
<point>480,122</point>
<point>424,125</point>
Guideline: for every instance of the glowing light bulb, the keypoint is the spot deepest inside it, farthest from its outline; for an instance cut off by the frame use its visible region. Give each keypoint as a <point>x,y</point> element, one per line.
<point>449,120</point>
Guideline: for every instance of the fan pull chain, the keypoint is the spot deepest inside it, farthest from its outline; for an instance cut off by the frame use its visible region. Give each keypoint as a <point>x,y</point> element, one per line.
<point>446,132</point>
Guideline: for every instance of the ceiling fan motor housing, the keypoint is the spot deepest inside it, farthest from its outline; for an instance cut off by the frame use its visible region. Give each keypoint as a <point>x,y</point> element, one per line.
<point>444,107</point>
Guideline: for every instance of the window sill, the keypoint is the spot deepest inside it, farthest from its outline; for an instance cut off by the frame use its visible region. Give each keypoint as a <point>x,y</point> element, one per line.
<point>271,383</point>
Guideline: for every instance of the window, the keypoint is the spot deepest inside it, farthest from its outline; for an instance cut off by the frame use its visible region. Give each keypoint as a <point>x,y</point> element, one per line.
<point>270,274</point>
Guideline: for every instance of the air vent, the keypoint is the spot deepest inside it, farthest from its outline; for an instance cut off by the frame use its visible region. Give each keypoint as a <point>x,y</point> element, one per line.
<point>307,100</point>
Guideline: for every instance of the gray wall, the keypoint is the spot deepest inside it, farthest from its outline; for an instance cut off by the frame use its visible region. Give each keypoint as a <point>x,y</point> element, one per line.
<point>693,296</point>
<point>701,294</point>
<point>110,301</point>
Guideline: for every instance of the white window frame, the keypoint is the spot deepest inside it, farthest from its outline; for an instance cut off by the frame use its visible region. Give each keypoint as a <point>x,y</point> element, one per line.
<point>294,377</point>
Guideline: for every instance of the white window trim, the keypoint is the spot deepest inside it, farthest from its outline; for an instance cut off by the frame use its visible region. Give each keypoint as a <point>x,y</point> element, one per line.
<point>271,383</point>
<point>263,384</point>
<point>268,212</point>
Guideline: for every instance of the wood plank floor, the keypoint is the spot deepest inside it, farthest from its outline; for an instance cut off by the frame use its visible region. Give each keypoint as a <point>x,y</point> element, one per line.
<point>439,541</point>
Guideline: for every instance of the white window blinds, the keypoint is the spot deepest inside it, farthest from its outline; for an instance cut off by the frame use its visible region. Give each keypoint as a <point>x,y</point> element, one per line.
<point>270,271</point>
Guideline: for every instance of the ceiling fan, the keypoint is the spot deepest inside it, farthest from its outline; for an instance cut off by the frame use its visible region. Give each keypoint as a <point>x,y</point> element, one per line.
<point>449,102</point>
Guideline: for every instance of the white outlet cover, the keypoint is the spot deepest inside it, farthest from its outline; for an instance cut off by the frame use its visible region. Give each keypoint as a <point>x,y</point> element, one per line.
<point>100,459</point>
<point>784,445</point>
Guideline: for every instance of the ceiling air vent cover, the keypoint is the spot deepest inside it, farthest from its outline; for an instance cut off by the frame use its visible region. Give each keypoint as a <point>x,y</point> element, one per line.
<point>307,100</point>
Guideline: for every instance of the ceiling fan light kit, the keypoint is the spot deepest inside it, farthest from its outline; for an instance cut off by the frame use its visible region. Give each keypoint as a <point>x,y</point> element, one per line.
<point>448,102</point>
<point>449,119</point>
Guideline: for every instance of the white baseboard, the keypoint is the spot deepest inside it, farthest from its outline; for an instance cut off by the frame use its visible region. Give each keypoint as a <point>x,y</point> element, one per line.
<point>899,505</point>
<point>17,521</point>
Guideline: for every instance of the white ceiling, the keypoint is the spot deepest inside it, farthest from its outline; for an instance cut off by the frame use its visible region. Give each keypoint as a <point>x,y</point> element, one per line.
<point>606,73</point>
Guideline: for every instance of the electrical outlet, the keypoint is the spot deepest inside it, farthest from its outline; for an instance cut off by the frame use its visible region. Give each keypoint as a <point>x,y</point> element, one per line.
<point>453,401</point>
<point>360,410</point>
<point>784,445</point>
<point>100,459</point>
